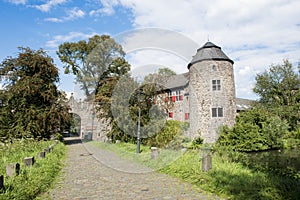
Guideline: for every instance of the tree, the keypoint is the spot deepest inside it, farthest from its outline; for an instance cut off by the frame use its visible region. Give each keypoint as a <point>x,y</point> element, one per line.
<point>160,77</point>
<point>91,62</point>
<point>278,89</point>
<point>33,106</point>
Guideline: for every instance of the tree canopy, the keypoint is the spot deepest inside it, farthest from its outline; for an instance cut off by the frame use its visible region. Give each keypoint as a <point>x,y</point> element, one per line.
<point>278,89</point>
<point>32,106</point>
<point>92,61</point>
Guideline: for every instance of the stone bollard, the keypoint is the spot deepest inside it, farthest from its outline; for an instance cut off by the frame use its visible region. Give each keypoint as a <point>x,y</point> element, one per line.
<point>12,169</point>
<point>56,142</point>
<point>47,150</point>
<point>42,154</point>
<point>1,182</point>
<point>118,141</point>
<point>206,163</point>
<point>28,161</point>
<point>154,152</point>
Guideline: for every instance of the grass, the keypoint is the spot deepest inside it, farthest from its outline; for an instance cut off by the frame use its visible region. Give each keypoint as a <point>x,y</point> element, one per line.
<point>32,181</point>
<point>128,151</point>
<point>227,179</point>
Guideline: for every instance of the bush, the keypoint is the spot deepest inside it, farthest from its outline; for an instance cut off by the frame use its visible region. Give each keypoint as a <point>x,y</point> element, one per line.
<point>197,143</point>
<point>255,130</point>
<point>168,137</point>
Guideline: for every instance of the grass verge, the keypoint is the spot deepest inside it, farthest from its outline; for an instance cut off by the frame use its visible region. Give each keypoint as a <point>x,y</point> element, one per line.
<point>227,179</point>
<point>32,181</point>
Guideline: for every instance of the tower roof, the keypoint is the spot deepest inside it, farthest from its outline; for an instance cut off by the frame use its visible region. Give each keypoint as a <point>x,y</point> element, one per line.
<point>209,51</point>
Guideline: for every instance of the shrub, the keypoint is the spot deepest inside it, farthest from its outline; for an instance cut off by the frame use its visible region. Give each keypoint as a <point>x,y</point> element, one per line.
<point>168,136</point>
<point>255,130</point>
<point>197,143</point>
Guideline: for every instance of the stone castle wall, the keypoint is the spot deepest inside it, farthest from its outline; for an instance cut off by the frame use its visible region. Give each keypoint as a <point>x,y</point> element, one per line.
<point>203,98</point>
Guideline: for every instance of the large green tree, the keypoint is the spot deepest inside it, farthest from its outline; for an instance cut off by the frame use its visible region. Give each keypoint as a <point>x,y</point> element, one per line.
<point>92,61</point>
<point>32,106</point>
<point>278,89</point>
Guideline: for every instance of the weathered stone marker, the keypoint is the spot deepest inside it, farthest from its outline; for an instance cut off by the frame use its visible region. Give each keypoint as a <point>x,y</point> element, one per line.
<point>154,152</point>
<point>1,182</point>
<point>42,154</point>
<point>206,163</point>
<point>12,169</point>
<point>28,161</point>
<point>47,150</point>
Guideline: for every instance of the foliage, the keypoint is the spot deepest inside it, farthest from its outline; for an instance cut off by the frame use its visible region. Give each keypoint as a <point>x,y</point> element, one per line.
<point>278,89</point>
<point>254,130</point>
<point>93,61</point>
<point>160,77</point>
<point>168,137</point>
<point>35,180</point>
<point>32,104</point>
<point>197,143</point>
<point>292,139</point>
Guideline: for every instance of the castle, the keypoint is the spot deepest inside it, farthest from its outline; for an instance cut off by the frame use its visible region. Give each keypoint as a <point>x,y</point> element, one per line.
<point>205,96</point>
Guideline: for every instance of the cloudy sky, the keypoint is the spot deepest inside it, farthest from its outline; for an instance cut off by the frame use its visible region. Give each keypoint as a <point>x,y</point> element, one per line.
<point>156,33</point>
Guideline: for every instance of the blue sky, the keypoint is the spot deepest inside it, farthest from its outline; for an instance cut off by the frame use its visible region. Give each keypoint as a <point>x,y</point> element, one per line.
<point>255,34</point>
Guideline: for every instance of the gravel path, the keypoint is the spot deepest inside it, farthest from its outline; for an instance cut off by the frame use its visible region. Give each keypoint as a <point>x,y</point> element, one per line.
<point>92,173</point>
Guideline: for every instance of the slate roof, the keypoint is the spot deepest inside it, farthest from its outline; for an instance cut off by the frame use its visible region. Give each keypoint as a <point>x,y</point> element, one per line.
<point>209,51</point>
<point>177,81</point>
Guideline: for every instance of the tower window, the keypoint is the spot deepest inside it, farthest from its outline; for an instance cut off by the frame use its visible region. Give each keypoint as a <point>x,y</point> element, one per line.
<point>214,67</point>
<point>216,85</point>
<point>217,112</point>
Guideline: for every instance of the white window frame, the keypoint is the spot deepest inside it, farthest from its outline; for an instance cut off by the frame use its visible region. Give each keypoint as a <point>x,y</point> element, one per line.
<point>216,84</point>
<point>217,112</point>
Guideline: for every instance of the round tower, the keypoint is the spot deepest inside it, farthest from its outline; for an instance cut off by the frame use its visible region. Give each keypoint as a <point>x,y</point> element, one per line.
<point>211,91</point>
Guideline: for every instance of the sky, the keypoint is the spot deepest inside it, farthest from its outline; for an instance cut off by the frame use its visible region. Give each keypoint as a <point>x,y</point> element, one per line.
<point>160,33</point>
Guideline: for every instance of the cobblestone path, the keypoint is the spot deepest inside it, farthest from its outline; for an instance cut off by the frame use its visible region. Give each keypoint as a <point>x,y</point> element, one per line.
<point>86,177</point>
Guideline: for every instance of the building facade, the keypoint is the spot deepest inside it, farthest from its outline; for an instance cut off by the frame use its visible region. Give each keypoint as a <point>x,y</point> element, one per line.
<point>205,96</point>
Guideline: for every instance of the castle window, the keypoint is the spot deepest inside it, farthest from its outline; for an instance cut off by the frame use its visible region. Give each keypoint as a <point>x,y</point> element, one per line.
<point>216,85</point>
<point>169,96</point>
<point>179,96</point>
<point>214,67</point>
<point>217,112</point>
<point>186,116</point>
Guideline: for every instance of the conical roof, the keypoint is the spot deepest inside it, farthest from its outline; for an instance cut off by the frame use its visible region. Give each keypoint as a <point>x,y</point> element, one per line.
<point>209,51</point>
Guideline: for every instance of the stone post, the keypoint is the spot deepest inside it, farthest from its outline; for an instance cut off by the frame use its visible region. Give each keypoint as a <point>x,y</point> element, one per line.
<point>12,169</point>
<point>28,161</point>
<point>42,154</point>
<point>154,152</point>
<point>206,159</point>
<point>47,150</point>
<point>206,163</point>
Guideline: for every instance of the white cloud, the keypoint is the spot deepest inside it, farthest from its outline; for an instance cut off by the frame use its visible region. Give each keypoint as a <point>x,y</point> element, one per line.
<point>107,8</point>
<point>72,36</point>
<point>49,4</point>
<point>253,33</point>
<point>72,14</point>
<point>17,2</point>
<point>75,13</point>
<point>54,19</point>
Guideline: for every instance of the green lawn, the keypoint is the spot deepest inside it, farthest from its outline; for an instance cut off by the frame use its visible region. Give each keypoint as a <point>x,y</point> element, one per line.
<point>32,181</point>
<point>227,179</point>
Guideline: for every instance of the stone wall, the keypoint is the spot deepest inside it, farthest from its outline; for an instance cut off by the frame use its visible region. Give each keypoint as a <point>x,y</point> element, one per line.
<point>203,98</point>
